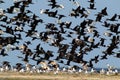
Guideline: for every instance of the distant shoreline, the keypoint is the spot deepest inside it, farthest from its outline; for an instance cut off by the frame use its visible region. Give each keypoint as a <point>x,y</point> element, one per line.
<point>59,76</point>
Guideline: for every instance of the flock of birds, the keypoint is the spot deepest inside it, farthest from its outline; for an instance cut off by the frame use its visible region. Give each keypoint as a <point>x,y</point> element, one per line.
<point>50,68</point>
<point>72,42</point>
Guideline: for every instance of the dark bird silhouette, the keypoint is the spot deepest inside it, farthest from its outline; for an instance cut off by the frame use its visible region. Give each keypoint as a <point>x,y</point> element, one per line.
<point>30,1</point>
<point>95,45</point>
<point>39,61</point>
<point>61,55</point>
<point>117,55</point>
<point>25,59</point>
<point>90,64</point>
<point>17,4</point>
<point>95,59</point>
<point>39,50</point>
<point>106,24</point>
<point>1,1</point>
<point>68,24</point>
<point>6,63</point>
<point>72,0</point>
<point>73,14</point>
<point>62,51</point>
<point>113,28</point>
<point>48,54</point>
<point>79,57</point>
<point>61,61</point>
<point>10,10</point>
<point>77,9</point>
<point>63,48</point>
<point>91,1</point>
<point>53,3</point>
<point>44,11</point>
<point>28,42</point>
<point>52,14</point>
<point>56,6</point>
<point>70,58</point>
<point>90,21</point>
<point>26,3</point>
<point>28,52</point>
<point>51,26</point>
<point>103,57</point>
<point>4,19</point>
<point>3,53</point>
<point>104,11</point>
<point>53,64</point>
<point>96,33</point>
<point>92,6</point>
<point>9,30</point>
<point>110,49</point>
<point>19,66</point>
<point>99,17</point>
<point>113,18</point>
<point>102,40</point>
<point>61,27</point>
<point>116,28</point>
<point>60,16</point>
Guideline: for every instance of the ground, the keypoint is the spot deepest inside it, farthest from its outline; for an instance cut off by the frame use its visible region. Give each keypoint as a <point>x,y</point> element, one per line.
<point>60,76</point>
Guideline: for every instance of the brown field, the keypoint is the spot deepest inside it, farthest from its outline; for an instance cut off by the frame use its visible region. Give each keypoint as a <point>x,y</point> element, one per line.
<point>60,76</point>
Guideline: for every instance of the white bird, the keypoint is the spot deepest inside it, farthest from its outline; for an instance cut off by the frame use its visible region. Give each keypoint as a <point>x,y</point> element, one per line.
<point>42,11</point>
<point>31,71</point>
<point>1,12</point>
<point>92,70</point>
<point>108,65</point>
<point>107,33</point>
<point>88,12</point>
<point>6,68</point>
<point>37,34</point>
<point>80,70</point>
<point>28,67</point>
<point>19,28</point>
<point>107,73</point>
<point>2,69</point>
<point>116,71</point>
<point>90,30</point>
<point>90,39</point>
<point>73,69</point>
<point>64,69</point>
<point>56,72</point>
<point>22,70</point>
<point>58,21</point>
<point>61,6</point>
<point>43,65</point>
<point>76,3</point>
<point>34,68</point>
<point>86,72</point>
<point>102,71</point>
<point>16,10</point>
<point>38,71</point>
<point>9,47</point>
<point>14,69</point>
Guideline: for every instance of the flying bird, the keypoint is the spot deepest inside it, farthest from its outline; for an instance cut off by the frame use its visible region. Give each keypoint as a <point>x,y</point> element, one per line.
<point>113,18</point>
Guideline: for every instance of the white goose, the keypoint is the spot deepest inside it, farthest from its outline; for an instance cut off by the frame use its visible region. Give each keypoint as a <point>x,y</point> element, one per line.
<point>2,69</point>
<point>102,71</point>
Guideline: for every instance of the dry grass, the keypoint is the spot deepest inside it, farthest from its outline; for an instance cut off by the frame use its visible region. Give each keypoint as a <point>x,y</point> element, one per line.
<point>60,76</point>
